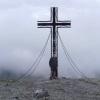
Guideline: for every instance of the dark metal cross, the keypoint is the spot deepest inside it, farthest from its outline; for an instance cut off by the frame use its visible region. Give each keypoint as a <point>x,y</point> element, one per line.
<point>54,24</point>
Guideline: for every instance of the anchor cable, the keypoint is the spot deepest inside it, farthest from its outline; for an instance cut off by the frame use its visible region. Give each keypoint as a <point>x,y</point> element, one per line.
<point>37,61</point>
<point>42,54</point>
<point>72,63</point>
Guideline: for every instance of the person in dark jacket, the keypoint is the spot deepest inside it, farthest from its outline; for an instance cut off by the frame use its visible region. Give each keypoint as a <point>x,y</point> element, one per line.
<point>54,67</point>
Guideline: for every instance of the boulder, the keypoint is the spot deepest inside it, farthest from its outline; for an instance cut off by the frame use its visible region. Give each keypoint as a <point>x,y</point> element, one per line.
<point>41,94</point>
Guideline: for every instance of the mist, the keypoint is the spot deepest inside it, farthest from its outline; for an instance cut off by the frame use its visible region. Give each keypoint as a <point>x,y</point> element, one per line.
<point>21,41</point>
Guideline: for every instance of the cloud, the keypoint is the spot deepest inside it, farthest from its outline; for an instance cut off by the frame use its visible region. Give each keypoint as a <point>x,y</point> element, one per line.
<point>20,38</point>
<point>6,4</point>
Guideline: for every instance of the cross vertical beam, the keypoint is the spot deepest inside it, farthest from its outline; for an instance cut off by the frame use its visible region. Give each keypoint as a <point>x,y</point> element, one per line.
<point>54,34</point>
<point>54,24</point>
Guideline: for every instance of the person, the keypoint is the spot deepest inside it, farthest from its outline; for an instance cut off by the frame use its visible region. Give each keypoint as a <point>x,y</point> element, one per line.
<point>54,68</point>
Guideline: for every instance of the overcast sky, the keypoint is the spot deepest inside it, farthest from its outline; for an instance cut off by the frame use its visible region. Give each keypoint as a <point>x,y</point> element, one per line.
<point>21,40</point>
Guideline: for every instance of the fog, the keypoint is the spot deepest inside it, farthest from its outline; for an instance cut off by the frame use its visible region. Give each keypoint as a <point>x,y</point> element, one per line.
<point>21,41</point>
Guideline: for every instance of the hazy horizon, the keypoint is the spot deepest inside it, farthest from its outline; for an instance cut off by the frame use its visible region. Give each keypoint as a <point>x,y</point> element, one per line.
<point>21,41</point>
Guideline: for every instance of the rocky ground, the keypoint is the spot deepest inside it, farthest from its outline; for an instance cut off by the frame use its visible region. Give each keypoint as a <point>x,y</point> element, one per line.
<point>61,89</point>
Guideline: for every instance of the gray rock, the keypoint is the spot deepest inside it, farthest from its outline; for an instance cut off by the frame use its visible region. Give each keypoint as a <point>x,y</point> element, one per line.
<point>61,89</point>
<point>40,93</point>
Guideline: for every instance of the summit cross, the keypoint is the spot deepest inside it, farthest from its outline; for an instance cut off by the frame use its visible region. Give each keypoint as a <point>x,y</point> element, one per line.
<point>54,24</point>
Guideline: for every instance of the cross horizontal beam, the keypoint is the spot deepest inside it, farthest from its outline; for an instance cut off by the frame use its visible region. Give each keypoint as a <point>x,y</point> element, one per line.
<point>48,24</point>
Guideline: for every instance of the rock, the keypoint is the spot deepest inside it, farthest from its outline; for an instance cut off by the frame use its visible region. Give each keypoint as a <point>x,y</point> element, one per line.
<point>64,78</point>
<point>41,93</point>
<point>17,98</point>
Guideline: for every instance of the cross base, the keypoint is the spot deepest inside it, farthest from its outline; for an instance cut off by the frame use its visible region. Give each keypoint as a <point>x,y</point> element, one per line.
<point>53,76</point>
